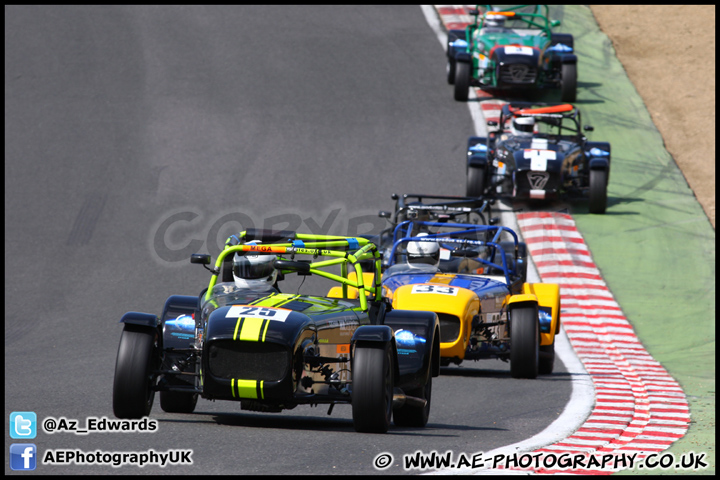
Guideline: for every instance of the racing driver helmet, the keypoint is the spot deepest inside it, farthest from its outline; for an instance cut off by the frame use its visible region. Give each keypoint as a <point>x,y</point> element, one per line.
<point>251,270</point>
<point>522,126</point>
<point>427,253</point>
<point>494,20</point>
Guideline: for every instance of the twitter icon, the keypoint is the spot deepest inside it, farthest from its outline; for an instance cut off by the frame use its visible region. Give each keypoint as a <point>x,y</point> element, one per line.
<point>23,425</point>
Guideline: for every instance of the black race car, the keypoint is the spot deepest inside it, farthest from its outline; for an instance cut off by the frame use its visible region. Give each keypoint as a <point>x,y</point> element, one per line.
<point>539,151</point>
<point>272,351</point>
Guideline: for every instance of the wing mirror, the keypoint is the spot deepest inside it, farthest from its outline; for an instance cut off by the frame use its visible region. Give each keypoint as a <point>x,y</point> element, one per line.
<point>200,258</point>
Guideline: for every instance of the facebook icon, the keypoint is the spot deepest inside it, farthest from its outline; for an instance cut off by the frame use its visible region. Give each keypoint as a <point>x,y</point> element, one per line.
<point>23,456</point>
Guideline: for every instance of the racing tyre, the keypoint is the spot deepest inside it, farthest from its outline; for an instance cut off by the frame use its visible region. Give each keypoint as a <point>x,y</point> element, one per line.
<point>133,392</point>
<point>462,81</point>
<point>568,82</point>
<point>412,416</point>
<point>372,388</point>
<point>475,182</point>
<point>178,402</point>
<point>598,191</point>
<point>524,342</point>
<point>547,361</point>
<point>451,68</point>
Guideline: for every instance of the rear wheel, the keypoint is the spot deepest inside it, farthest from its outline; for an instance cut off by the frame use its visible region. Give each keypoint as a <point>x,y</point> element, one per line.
<point>568,82</point>
<point>372,388</point>
<point>475,182</point>
<point>598,191</point>
<point>547,361</point>
<point>462,81</point>
<point>178,402</point>
<point>451,69</point>
<point>524,342</point>
<point>133,392</point>
<point>412,416</point>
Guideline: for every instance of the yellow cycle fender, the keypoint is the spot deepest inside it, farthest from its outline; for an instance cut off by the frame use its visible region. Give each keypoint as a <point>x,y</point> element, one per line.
<point>548,295</point>
<point>336,292</point>
<point>455,307</point>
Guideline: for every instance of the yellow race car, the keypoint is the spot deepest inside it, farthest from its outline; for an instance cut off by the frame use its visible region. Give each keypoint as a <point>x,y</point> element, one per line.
<point>473,277</point>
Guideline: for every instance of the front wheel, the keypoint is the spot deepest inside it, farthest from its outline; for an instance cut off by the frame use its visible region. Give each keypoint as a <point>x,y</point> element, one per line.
<point>133,391</point>
<point>462,81</point>
<point>475,182</point>
<point>372,388</point>
<point>598,191</point>
<point>524,342</point>
<point>568,82</point>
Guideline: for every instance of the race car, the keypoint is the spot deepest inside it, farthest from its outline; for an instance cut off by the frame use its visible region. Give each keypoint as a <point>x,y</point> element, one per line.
<point>539,151</point>
<point>510,50</point>
<point>486,308</point>
<point>436,208</point>
<point>242,340</point>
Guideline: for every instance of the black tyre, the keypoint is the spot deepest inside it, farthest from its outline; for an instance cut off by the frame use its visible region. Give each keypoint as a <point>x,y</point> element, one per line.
<point>462,81</point>
<point>178,402</point>
<point>372,388</point>
<point>598,191</point>
<point>568,82</point>
<point>524,342</point>
<point>451,68</point>
<point>547,361</point>
<point>412,416</point>
<point>133,392</point>
<point>475,182</point>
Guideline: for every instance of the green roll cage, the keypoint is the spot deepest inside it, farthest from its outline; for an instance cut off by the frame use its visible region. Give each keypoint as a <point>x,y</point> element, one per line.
<point>352,251</point>
<point>538,18</point>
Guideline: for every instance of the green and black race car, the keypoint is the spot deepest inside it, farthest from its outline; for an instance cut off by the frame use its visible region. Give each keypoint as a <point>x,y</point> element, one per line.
<point>272,351</point>
<point>511,48</point>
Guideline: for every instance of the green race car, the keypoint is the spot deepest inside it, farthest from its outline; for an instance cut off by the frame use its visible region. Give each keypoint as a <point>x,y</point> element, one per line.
<point>511,49</point>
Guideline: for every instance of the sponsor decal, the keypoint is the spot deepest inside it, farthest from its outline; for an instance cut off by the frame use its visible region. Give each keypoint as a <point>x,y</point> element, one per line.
<point>596,152</point>
<point>545,314</point>
<point>538,180</point>
<point>560,48</point>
